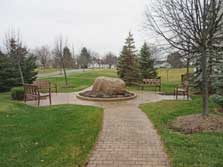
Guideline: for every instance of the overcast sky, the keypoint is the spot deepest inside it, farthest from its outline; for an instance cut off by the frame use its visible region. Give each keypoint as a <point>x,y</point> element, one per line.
<point>100,25</point>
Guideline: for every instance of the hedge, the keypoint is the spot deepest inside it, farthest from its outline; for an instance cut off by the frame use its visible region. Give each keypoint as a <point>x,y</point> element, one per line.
<point>17,93</point>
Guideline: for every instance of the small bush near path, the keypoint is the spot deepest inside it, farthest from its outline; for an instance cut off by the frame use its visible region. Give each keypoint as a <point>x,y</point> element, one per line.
<point>203,149</point>
<point>53,136</point>
<point>17,93</point>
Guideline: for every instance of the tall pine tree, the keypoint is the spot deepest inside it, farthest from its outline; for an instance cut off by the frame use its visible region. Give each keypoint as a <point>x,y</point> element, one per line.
<point>29,67</point>
<point>17,66</point>
<point>17,53</point>
<point>23,60</point>
<point>9,74</point>
<point>146,63</point>
<point>84,58</point>
<point>68,60</point>
<point>128,66</point>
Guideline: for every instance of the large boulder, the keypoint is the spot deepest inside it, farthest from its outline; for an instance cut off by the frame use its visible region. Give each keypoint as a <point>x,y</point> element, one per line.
<point>109,86</point>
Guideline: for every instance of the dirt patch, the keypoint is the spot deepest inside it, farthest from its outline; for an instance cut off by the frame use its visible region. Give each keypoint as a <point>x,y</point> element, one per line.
<point>198,123</point>
<point>220,110</point>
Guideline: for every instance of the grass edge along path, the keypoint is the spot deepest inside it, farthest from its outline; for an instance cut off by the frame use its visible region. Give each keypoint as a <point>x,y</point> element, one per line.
<point>61,135</point>
<point>202,149</point>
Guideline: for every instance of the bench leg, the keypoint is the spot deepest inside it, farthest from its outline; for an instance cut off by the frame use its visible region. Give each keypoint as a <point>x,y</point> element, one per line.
<point>50,96</point>
<point>38,99</point>
<point>25,98</point>
<point>50,99</point>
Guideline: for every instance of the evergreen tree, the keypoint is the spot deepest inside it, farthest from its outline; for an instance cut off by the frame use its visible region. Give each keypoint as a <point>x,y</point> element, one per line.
<point>122,66</point>
<point>84,58</point>
<point>128,66</point>
<point>9,75</point>
<point>214,63</point>
<point>22,60</point>
<point>146,63</point>
<point>29,67</point>
<point>218,80</point>
<point>218,85</point>
<point>17,66</point>
<point>17,53</point>
<point>68,60</point>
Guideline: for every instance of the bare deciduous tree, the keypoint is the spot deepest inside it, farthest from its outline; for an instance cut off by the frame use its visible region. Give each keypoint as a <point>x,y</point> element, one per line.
<point>110,59</point>
<point>192,26</point>
<point>43,54</point>
<point>175,60</point>
<point>59,52</point>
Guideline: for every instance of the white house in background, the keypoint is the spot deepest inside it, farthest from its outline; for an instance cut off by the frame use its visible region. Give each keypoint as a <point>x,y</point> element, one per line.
<point>160,58</point>
<point>162,64</point>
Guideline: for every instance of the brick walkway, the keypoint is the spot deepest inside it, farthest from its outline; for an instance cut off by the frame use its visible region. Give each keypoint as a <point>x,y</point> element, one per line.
<point>128,138</point>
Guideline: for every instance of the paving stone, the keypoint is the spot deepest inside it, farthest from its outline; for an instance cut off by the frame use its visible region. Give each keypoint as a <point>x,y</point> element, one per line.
<point>129,139</point>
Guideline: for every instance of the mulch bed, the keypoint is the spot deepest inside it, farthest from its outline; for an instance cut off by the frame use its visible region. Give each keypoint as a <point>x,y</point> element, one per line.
<point>93,94</point>
<point>197,123</point>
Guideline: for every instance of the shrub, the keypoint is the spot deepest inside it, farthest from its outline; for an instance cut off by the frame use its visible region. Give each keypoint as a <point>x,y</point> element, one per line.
<point>17,93</point>
<point>218,99</point>
<point>218,85</point>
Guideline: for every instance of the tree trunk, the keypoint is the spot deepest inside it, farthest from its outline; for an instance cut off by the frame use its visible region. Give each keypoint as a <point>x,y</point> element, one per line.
<point>21,74</point>
<point>204,82</point>
<point>167,74</point>
<point>188,66</point>
<point>65,73</point>
<point>210,70</point>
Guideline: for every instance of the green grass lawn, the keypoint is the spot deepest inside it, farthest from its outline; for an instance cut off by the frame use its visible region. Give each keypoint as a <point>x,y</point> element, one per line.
<point>194,150</point>
<point>170,78</point>
<point>53,136</point>
<point>79,81</point>
<point>83,80</point>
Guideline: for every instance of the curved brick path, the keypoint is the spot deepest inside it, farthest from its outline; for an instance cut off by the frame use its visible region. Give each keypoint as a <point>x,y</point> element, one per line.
<point>128,138</point>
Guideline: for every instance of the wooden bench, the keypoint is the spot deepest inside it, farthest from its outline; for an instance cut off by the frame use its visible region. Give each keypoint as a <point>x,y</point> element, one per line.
<point>186,77</point>
<point>156,83</point>
<point>45,85</point>
<point>31,92</point>
<point>183,89</point>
